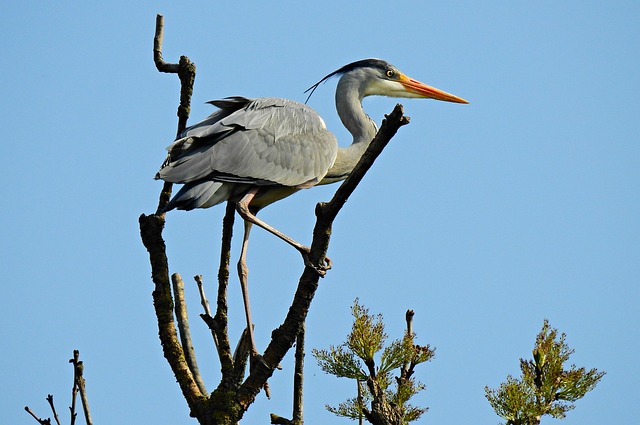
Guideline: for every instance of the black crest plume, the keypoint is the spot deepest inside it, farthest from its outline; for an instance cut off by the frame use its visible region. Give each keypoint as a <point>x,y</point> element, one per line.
<point>364,63</point>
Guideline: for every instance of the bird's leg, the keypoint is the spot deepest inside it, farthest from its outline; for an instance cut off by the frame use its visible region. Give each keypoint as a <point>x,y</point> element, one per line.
<point>243,209</point>
<point>243,273</point>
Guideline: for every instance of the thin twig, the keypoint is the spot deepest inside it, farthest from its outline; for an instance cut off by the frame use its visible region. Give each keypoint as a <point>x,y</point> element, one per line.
<point>409,318</point>
<point>157,49</point>
<point>53,408</point>
<point>74,392</point>
<point>203,297</point>
<point>406,368</point>
<point>40,421</point>
<point>79,382</point>
<point>360,402</point>
<point>207,310</point>
<point>185,333</point>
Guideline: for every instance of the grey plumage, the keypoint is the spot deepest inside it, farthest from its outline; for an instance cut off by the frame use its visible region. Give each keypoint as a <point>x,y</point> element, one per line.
<point>264,142</point>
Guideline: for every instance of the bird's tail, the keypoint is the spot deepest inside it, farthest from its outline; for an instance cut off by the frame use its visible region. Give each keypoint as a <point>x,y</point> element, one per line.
<point>200,194</point>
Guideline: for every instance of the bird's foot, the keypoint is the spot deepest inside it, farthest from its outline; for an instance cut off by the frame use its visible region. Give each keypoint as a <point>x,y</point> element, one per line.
<point>321,269</point>
<point>254,359</point>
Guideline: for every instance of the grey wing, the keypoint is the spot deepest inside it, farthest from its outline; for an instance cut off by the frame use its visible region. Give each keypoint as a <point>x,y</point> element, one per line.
<point>260,141</point>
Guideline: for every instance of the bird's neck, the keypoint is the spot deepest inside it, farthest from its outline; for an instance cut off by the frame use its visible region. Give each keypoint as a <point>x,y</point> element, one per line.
<point>349,97</point>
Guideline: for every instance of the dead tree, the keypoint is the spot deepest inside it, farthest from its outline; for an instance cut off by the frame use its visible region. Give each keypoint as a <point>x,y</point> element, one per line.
<point>228,402</point>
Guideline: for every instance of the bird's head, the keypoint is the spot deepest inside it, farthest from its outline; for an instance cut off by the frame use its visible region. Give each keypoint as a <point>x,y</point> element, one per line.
<point>378,77</point>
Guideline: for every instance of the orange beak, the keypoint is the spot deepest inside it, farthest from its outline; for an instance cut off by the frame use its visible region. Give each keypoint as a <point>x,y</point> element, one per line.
<point>423,90</point>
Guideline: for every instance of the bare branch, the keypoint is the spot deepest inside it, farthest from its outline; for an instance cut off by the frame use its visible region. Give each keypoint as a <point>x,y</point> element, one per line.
<point>203,297</point>
<point>40,421</point>
<point>409,318</point>
<point>79,383</point>
<point>74,393</point>
<point>221,319</point>
<point>157,49</point>
<point>388,129</point>
<point>186,71</point>
<point>53,408</point>
<point>283,337</point>
<point>185,333</point>
<point>407,368</point>
<point>298,379</point>
<point>208,319</point>
<point>151,233</point>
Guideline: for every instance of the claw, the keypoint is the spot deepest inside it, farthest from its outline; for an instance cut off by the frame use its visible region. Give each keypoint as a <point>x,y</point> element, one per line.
<point>320,269</point>
<point>254,358</point>
<point>327,263</point>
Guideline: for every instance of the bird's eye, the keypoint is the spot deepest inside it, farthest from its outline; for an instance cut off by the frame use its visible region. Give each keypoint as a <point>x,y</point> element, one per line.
<point>390,73</point>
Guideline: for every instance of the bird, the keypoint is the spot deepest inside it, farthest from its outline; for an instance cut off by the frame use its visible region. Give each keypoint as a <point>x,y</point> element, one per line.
<point>255,152</point>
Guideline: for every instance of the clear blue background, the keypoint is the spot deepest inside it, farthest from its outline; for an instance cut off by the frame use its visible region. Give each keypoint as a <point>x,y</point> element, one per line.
<point>483,218</point>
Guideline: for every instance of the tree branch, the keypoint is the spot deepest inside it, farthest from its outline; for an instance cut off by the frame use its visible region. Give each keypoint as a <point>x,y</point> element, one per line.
<point>151,233</point>
<point>79,382</point>
<point>186,71</point>
<point>407,368</point>
<point>185,333</point>
<point>34,416</point>
<point>283,337</point>
<point>208,319</point>
<point>72,408</point>
<point>53,408</point>
<point>157,49</point>
<point>298,379</point>
<point>388,129</point>
<point>221,319</point>
<point>203,297</point>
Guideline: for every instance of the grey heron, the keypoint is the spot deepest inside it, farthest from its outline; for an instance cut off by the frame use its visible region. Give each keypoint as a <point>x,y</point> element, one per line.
<point>258,151</point>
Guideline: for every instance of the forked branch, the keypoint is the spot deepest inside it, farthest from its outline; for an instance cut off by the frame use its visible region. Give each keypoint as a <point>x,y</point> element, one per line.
<point>232,397</point>
<point>78,387</point>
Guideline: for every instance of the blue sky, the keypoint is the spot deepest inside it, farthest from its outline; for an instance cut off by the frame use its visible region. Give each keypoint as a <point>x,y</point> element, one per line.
<point>484,218</point>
